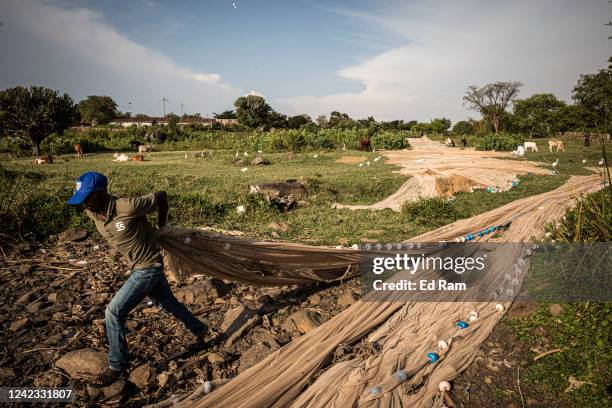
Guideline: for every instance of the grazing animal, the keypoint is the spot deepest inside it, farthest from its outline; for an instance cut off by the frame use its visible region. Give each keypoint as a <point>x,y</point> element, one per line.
<point>78,150</point>
<point>449,142</point>
<point>121,157</point>
<point>532,145</point>
<point>47,159</point>
<point>138,157</point>
<point>556,143</point>
<point>145,148</point>
<point>519,152</point>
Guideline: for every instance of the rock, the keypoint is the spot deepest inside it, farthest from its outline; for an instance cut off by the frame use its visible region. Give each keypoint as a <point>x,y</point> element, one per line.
<point>25,268</point>
<point>83,361</point>
<point>254,355</point>
<point>93,392</point>
<point>260,161</point>
<point>143,376</point>
<point>204,292</point>
<point>346,299</point>
<point>27,298</point>
<point>18,324</point>
<point>34,306</point>
<point>114,392</point>
<point>314,299</point>
<point>556,310</point>
<point>72,235</point>
<point>303,321</point>
<point>237,321</point>
<point>215,358</point>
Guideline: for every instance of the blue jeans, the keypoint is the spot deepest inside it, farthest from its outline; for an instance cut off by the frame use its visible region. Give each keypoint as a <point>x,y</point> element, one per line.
<point>149,282</point>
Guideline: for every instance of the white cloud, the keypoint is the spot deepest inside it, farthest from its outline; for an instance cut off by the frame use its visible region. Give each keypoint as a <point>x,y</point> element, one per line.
<point>450,45</point>
<point>255,93</point>
<point>208,77</point>
<point>75,51</point>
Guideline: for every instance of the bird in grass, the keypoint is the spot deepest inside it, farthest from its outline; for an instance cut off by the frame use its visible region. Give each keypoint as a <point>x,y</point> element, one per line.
<point>368,163</point>
<point>601,162</point>
<point>360,164</point>
<point>185,155</point>
<point>244,169</point>
<point>259,151</point>
<point>584,161</point>
<point>240,209</point>
<point>554,164</point>
<point>343,146</point>
<point>245,153</point>
<point>377,158</point>
<point>236,153</point>
<point>315,156</point>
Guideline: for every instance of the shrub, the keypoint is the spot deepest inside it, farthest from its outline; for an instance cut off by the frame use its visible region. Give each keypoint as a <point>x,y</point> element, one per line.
<point>431,212</point>
<point>499,142</point>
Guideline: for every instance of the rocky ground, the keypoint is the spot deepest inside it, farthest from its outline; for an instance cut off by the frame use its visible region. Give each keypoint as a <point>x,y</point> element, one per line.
<point>52,319</point>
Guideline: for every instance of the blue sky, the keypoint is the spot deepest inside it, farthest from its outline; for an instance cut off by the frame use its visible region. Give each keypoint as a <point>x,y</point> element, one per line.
<point>391,59</point>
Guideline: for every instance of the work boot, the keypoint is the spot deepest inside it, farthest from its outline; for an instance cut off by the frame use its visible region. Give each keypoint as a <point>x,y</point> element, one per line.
<point>107,377</point>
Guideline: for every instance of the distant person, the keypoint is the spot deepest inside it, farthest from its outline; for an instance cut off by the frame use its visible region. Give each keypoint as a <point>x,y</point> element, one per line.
<point>587,139</point>
<point>123,223</point>
<point>464,141</point>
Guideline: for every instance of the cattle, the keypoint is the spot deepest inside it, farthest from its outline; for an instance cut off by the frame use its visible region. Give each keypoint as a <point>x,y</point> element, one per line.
<point>145,148</point>
<point>78,150</point>
<point>138,157</point>
<point>519,152</point>
<point>47,159</point>
<point>121,157</point>
<point>532,145</point>
<point>556,143</point>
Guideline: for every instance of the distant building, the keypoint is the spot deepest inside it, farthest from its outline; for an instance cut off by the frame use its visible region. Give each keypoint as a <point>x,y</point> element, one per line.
<point>227,122</point>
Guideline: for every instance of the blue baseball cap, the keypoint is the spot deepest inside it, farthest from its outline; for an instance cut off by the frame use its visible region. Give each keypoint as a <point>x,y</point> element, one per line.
<point>86,184</point>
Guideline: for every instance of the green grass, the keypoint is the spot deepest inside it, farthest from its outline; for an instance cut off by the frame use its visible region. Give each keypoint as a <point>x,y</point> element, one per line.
<point>206,192</point>
<point>583,332</point>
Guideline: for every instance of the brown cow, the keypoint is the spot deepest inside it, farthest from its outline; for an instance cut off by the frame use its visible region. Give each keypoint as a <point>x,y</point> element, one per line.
<point>138,157</point>
<point>78,150</point>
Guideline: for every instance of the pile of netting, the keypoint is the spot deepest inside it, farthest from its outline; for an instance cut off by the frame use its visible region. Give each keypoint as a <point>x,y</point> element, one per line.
<point>418,344</point>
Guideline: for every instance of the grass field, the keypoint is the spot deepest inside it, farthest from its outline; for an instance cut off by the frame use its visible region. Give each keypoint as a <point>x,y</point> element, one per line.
<point>206,192</point>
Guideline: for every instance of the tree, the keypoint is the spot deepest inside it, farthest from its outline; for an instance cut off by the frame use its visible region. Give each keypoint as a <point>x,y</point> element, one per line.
<point>594,93</point>
<point>173,121</point>
<point>440,125</point>
<point>463,127</point>
<point>295,122</point>
<point>228,114</point>
<point>252,111</point>
<point>34,113</point>
<point>492,99</point>
<point>539,114</point>
<point>276,120</point>
<point>98,110</point>
<point>321,120</point>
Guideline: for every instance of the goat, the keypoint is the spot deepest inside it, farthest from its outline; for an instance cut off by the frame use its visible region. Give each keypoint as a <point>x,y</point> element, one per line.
<point>532,145</point>
<point>556,143</point>
<point>520,151</point>
<point>78,150</point>
<point>145,148</point>
<point>138,157</point>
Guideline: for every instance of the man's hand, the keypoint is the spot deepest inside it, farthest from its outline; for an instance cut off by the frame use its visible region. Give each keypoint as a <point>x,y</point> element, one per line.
<point>162,208</point>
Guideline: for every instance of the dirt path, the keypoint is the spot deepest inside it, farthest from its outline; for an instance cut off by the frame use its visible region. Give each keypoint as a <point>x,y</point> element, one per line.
<point>438,170</point>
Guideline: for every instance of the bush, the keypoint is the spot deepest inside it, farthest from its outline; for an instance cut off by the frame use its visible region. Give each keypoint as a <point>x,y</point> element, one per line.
<point>431,212</point>
<point>16,146</point>
<point>390,140</point>
<point>499,142</point>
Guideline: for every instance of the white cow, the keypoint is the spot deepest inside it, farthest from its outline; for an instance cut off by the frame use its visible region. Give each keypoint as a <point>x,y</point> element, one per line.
<point>532,145</point>
<point>145,148</point>
<point>519,152</point>
<point>121,157</point>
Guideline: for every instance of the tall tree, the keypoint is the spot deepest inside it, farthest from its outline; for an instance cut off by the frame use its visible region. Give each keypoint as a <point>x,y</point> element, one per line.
<point>539,114</point>
<point>463,127</point>
<point>492,99</point>
<point>34,113</point>
<point>252,111</point>
<point>440,125</point>
<point>594,93</point>
<point>98,110</point>
<point>295,122</point>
